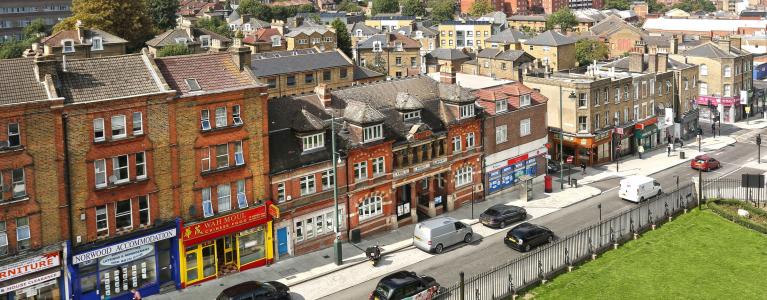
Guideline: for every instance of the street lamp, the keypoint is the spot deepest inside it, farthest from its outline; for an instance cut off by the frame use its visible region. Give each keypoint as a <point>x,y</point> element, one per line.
<point>338,254</point>
<point>561,140</point>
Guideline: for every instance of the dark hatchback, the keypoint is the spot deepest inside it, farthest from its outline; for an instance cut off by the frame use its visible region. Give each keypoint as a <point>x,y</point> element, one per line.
<point>403,284</point>
<point>255,290</point>
<point>524,237</point>
<point>500,215</point>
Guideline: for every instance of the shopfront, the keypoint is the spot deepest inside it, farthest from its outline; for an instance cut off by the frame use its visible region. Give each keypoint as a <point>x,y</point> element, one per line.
<point>623,141</point>
<point>689,126</point>
<point>507,173</point>
<point>230,243</point>
<point>32,278</point>
<point>647,133</point>
<point>728,108</point>
<point>144,261</point>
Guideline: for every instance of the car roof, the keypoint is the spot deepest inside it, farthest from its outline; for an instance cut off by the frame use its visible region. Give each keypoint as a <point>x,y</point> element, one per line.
<point>436,222</point>
<point>504,207</point>
<point>703,156</point>
<point>243,287</point>
<point>526,227</point>
<point>398,279</point>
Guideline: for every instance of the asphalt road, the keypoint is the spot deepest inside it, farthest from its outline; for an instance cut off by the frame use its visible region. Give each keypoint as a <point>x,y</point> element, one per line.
<point>490,251</point>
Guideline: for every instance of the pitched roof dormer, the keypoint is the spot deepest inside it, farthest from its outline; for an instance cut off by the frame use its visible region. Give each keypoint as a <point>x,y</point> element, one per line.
<point>306,122</point>
<point>360,113</point>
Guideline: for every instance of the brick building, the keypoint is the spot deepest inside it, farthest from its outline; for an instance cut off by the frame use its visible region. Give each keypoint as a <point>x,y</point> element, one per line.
<point>399,55</point>
<point>265,40</point>
<point>298,72</point>
<point>197,40</point>
<point>552,49</point>
<point>79,43</point>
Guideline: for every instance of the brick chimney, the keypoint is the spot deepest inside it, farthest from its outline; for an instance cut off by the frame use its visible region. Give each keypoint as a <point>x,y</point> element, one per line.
<point>662,62</point>
<point>240,54</point>
<point>673,45</point>
<point>80,31</point>
<point>652,63</point>
<point>723,44</point>
<point>446,75</point>
<point>636,62</point>
<point>735,41</point>
<point>323,92</point>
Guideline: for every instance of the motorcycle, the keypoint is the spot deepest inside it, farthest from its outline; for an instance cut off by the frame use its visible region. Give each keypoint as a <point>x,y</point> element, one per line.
<point>373,254</point>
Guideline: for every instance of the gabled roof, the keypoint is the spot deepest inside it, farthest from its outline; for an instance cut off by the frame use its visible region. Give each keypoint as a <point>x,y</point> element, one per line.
<point>506,37</point>
<point>55,39</point>
<point>213,72</point>
<point>285,62</point>
<point>305,121</point>
<point>510,55</point>
<point>537,18</point>
<point>426,30</point>
<point>362,113</point>
<point>405,101</point>
<point>108,77</point>
<point>308,30</point>
<point>550,38</point>
<point>710,50</point>
<point>612,24</point>
<point>511,93</point>
<point>361,73</point>
<point>389,40</point>
<point>447,54</point>
<point>262,35</point>
<point>365,30</point>
<point>192,35</point>
<point>20,83</point>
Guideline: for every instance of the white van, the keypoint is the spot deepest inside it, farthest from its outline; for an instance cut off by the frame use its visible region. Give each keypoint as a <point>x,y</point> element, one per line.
<point>436,234</point>
<point>638,188</point>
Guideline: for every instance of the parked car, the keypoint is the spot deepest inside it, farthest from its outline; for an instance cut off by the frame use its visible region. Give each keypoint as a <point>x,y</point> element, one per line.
<point>638,188</point>
<point>436,234</point>
<point>404,284</point>
<point>552,167</point>
<point>526,236</point>
<point>705,163</point>
<point>255,290</point>
<point>501,215</point>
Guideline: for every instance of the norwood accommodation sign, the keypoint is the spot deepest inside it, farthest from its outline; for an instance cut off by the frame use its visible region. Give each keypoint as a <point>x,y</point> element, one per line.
<point>134,243</point>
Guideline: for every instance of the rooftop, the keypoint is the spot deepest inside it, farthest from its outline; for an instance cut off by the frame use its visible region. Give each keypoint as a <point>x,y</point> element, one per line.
<point>20,83</point>
<point>212,72</point>
<point>286,62</point>
<point>550,38</point>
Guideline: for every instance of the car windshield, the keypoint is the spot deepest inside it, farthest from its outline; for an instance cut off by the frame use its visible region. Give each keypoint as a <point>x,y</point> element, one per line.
<point>492,212</point>
<point>382,290</point>
<point>520,232</point>
<point>700,161</point>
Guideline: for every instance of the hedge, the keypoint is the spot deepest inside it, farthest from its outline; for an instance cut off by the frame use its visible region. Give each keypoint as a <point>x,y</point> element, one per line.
<point>716,207</point>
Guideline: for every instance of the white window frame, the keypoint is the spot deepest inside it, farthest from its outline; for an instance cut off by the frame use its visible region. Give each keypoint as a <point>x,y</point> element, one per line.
<point>223,197</point>
<point>370,207</point>
<point>18,184</point>
<point>412,115</point>
<point>239,155</point>
<point>328,179</point>
<point>242,197</point>
<point>463,176</point>
<point>67,46</point>
<point>141,165</point>
<point>14,134</point>
<point>524,127</point>
<point>457,147</point>
<point>205,119</point>
<point>99,135</point>
<point>703,70</point>
<point>372,133</point>
<point>207,203</point>
<point>727,90</point>
<point>129,213</point>
<point>379,167</point>
<point>470,140</point>
<point>236,115</point>
<point>281,192</point>
<point>314,141</point>
<point>524,100</point>
<point>377,46</point>
<point>100,171</point>
<point>116,120</point>
<point>223,166</point>
<point>205,159</point>
<point>276,41</point>
<point>501,134</point>
<point>727,71</point>
<point>467,111</point>
<point>116,168</point>
<point>102,216</point>
<point>97,44</point>
<point>583,126</point>
<point>138,120</point>
<point>3,238</point>
<point>205,41</point>
<point>221,117</point>
<point>361,170</point>
<point>145,210</point>
<point>501,106</point>
<point>308,185</point>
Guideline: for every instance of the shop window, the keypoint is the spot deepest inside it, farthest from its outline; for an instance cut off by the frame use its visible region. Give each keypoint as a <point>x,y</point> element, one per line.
<point>220,116</point>
<point>205,119</point>
<point>3,239</point>
<point>102,221</point>
<point>140,165</point>
<point>242,199</point>
<point>118,280</point>
<point>252,245</point>
<point>207,203</point>
<point>224,199</point>
<point>328,179</point>
<point>98,130</point>
<point>138,123</point>
<point>120,169</point>
<point>143,211</point>
<point>361,170</point>
<point>222,156</point>
<point>378,166</point>
<point>370,207</point>
<point>239,156</point>
<point>123,215</point>
<point>236,115</point>
<point>118,127</point>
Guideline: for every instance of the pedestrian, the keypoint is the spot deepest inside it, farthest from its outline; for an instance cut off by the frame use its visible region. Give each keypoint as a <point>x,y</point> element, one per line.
<point>136,294</point>
<point>583,168</point>
<point>713,129</point>
<point>668,150</point>
<point>640,150</point>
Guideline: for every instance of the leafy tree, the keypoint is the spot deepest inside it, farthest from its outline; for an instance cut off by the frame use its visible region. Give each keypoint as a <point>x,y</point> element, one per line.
<point>127,19</point>
<point>617,4</point>
<point>379,64</point>
<point>285,12</point>
<point>343,40</point>
<point>442,10</point>
<point>413,8</point>
<point>695,5</point>
<point>654,6</point>
<point>563,18</point>
<point>385,6</point>
<point>173,50</point>
<point>480,8</point>
<point>33,29</point>
<point>216,25</point>
<point>13,48</point>
<point>256,9</point>
<point>163,13</point>
<point>588,50</point>
<point>348,6</point>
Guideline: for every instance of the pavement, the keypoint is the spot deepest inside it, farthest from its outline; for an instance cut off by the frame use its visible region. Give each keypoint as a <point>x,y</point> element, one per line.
<point>315,275</point>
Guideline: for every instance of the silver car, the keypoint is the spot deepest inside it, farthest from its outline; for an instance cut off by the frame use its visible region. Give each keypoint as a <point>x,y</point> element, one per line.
<point>436,234</point>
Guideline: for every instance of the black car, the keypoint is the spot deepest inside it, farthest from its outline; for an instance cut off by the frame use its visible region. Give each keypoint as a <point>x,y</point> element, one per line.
<point>526,236</point>
<point>501,215</point>
<point>254,290</point>
<point>552,167</point>
<point>403,284</point>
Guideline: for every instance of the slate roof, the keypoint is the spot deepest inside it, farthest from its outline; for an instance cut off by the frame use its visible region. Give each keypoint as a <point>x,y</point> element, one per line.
<point>389,40</point>
<point>405,101</point>
<point>611,24</point>
<point>447,54</point>
<point>623,63</point>
<point>213,72</point>
<point>366,30</point>
<point>362,113</point>
<point>55,39</point>
<point>20,84</point>
<point>510,55</point>
<point>107,78</point>
<point>285,62</point>
<point>506,37</point>
<point>305,121</point>
<point>427,31</point>
<point>550,38</point>
<point>169,37</point>
<point>391,17</point>
<point>308,30</point>
<point>361,73</point>
<point>539,18</point>
<point>711,50</point>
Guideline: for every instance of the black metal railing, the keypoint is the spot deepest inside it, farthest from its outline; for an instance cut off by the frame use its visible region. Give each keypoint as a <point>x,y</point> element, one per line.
<point>552,259</point>
<point>731,188</point>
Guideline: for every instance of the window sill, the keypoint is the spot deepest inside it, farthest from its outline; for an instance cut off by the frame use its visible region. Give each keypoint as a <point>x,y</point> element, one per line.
<point>10,149</point>
<point>121,184</point>
<point>120,139</point>
<point>220,170</point>
<point>14,200</point>
<point>220,129</point>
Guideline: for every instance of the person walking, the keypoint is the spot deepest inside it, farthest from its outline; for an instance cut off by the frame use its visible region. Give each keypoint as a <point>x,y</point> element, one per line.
<point>583,168</point>
<point>136,294</point>
<point>668,150</point>
<point>713,129</point>
<point>640,150</point>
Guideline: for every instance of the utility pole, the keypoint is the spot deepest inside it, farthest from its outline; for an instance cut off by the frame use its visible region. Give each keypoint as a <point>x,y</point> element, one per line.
<point>337,241</point>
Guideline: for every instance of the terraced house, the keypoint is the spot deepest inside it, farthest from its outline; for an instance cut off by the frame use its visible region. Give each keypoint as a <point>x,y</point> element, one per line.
<point>464,34</point>
<point>79,43</point>
<point>395,53</point>
<point>298,72</point>
<point>552,50</point>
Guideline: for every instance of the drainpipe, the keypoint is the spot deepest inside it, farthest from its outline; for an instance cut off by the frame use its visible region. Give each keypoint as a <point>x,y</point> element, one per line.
<point>67,178</point>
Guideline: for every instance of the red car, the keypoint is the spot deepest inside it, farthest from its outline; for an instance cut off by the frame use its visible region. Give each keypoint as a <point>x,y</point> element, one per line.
<point>705,163</point>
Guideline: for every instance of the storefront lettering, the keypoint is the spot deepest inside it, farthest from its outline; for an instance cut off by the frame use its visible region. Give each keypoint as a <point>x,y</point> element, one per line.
<point>28,266</point>
<point>225,223</point>
<point>28,283</point>
<point>149,239</point>
<point>127,256</point>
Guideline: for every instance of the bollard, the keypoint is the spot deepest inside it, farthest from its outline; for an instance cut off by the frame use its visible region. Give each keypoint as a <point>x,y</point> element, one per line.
<point>615,246</point>
<point>653,226</point>
<point>669,218</point>
<point>593,256</point>
<point>636,235</point>
<point>569,269</point>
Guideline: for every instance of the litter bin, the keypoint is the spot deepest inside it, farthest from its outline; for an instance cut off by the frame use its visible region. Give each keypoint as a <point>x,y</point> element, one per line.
<point>574,182</point>
<point>681,154</point>
<point>547,184</point>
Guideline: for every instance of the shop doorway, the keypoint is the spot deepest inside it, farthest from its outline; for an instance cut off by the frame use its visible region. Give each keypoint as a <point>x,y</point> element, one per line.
<point>282,241</point>
<point>227,256</point>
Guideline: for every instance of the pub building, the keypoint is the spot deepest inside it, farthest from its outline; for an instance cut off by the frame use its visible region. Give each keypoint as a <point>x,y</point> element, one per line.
<point>36,276</point>
<point>234,242</point>
<point>146,260</point>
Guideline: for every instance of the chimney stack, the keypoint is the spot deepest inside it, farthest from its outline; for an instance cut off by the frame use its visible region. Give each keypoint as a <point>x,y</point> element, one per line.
<point>673,45</point>
<point>80,33</point>
<point>652,63</point>
<point>446,75</point>
<point>735,42</point>
<point>636,63</point>
<point>662,62</point>
<point>724,44</point>
<point>323,92</point>
<point>240,54</point>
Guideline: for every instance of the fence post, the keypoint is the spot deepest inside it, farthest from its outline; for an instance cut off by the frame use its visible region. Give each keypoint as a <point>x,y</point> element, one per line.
<point>591,248</point>
<point>462,286</point>
<point>649,218</point>
<point>476,297</point>
<point>612,237</point>
<point>567,261</point>
<point>668,215</point>
<point>512,291</point>
<point>541,275</point>
<point>631,223</point>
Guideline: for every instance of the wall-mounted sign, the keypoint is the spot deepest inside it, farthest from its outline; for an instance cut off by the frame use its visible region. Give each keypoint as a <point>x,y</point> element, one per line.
<point>28,283</point>
<point>126,256</point>
<point>421,167</point>
<point>274,211</point>
<point>29,266</point>
<point>400,172</point>
<point>144,240</point>
<point>221,226</point>
<point>439,161</point>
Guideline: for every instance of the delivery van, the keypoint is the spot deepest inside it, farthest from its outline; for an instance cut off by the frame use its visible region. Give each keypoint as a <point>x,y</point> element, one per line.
<point>436,234</point>
<point>639,188</point>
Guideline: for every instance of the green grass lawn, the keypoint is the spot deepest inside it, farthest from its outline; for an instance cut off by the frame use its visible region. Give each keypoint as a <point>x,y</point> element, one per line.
<point>697,256</point>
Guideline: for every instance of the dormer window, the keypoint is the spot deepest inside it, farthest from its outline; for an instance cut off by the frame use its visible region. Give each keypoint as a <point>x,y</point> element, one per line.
<point>315,141</point>
<point>467,111</point>
<point>413,115</point>
<point>372,133</point>
<point>501,106</point>
<point>524,100</point>
<point>399,46</point>
<point>358,32</point>
<point>205,41</point>
<point>193,85</point>
<point>97,44</point>
<point>246,27</point>
<point>377,46</point>
<point>275,41</point>
<point>181,41</point>
<point>69,46</point>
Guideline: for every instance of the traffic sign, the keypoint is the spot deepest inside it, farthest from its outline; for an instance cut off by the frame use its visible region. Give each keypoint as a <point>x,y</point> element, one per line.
<point>570,159</point>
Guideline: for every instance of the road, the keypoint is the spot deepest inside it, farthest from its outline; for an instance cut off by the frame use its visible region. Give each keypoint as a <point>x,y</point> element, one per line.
<point>491,251</point>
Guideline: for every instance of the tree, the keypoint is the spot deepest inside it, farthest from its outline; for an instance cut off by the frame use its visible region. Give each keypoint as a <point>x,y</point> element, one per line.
<point>480,8</point>
<point>413,8</point>
<point>654,6</point>
<point>214,24</point>
<point>348,6</point>
<point>163,13</point>
<point>33,30</point>
<point>385,6</point>
<point>442,10</point>
<point>695,5</point>
<point>617,4</point>
<point>255,9</point>
<point>13,48</point>
<point>173,50</point>
<point>563,18</point>
<point>379,64</point>
<point>129,20</point>
<point>588,50</point>
<point>343,40</point>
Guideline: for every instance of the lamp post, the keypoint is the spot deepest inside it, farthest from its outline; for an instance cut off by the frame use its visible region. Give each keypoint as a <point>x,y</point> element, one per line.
<point>561,141</point>
<point>699,142</point>
<point>338,254</point>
